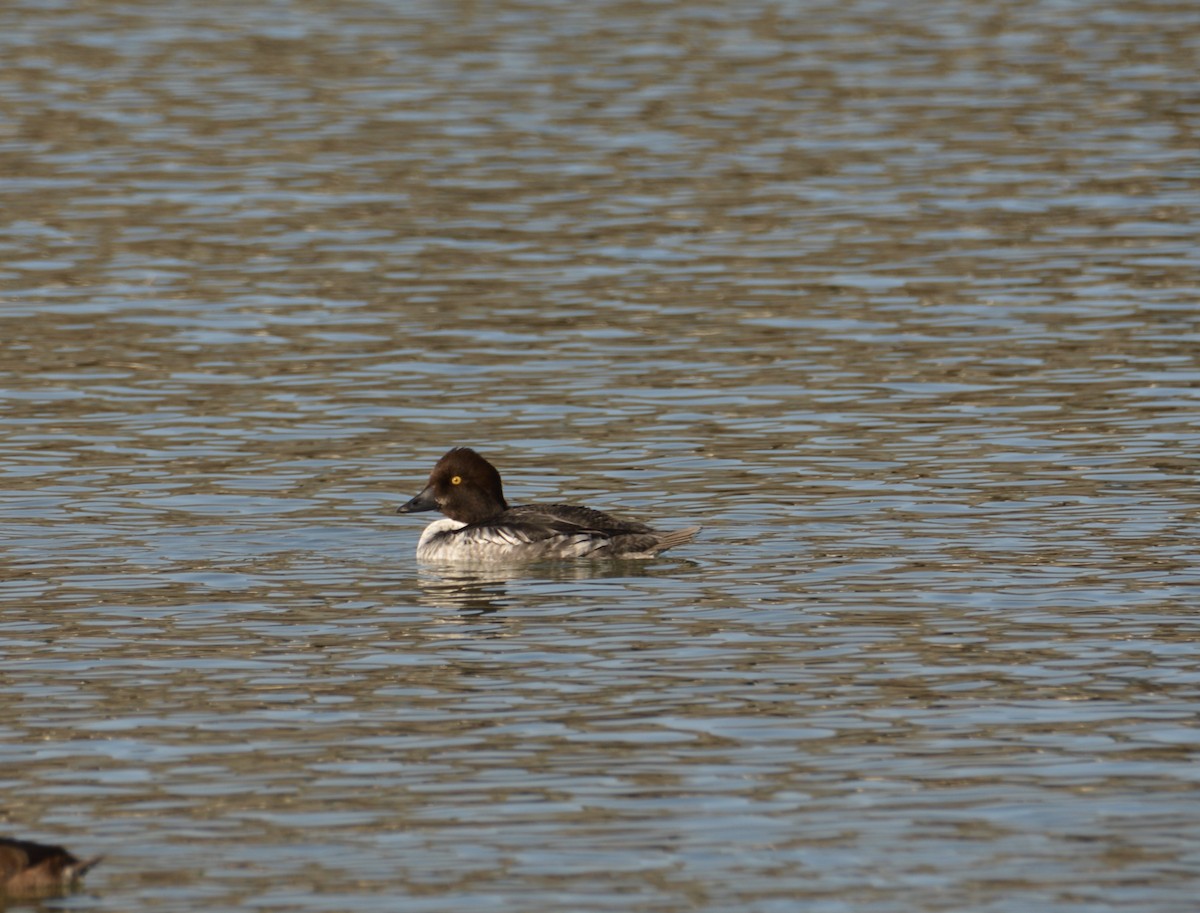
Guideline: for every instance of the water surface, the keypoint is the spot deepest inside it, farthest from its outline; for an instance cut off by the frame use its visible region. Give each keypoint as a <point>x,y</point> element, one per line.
<point>899,301</point>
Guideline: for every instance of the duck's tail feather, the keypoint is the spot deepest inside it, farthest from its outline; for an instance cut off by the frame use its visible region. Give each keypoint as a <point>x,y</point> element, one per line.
<point>78,869</point>
<point>676,537</point>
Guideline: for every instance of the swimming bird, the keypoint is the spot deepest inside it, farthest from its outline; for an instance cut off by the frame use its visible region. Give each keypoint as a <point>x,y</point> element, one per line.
<point>480,526</point>
<point>29,869</point>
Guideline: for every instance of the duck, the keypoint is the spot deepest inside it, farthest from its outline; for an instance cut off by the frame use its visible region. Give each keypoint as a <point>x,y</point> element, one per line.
<point>480,526</point>
<point>29,869</point>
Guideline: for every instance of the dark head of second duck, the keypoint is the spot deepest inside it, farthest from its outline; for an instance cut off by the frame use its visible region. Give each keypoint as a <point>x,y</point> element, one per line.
<point>480,526</point>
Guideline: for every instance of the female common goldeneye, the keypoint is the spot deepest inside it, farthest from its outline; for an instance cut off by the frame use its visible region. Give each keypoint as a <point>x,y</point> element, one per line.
<point>482,527</point>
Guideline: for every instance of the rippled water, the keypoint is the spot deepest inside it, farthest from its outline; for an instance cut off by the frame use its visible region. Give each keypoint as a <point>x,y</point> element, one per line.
<point>899,300</point>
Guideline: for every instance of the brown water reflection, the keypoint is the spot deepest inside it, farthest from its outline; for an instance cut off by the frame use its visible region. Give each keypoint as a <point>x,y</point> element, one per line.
<point>899,301</point>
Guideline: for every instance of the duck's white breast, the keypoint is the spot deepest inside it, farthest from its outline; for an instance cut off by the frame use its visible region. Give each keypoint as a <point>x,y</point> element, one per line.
<point>497,544</point>
<point>427,547</point>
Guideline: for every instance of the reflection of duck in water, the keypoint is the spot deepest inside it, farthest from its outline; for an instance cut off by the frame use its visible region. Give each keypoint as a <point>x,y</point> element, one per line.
<point>474,589</point>
<point>481,527</point>
<point>481,589</point>
<point>30,869</point>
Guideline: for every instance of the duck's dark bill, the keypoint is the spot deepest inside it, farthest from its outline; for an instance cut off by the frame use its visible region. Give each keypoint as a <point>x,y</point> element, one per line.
<point>423,501</point>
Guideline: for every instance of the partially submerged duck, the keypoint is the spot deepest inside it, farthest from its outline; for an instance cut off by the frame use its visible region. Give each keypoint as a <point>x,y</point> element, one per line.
<point>29,869</point>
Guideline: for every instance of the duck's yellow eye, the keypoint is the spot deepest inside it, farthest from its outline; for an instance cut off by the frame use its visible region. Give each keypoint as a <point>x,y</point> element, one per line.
<point>457,480</point>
